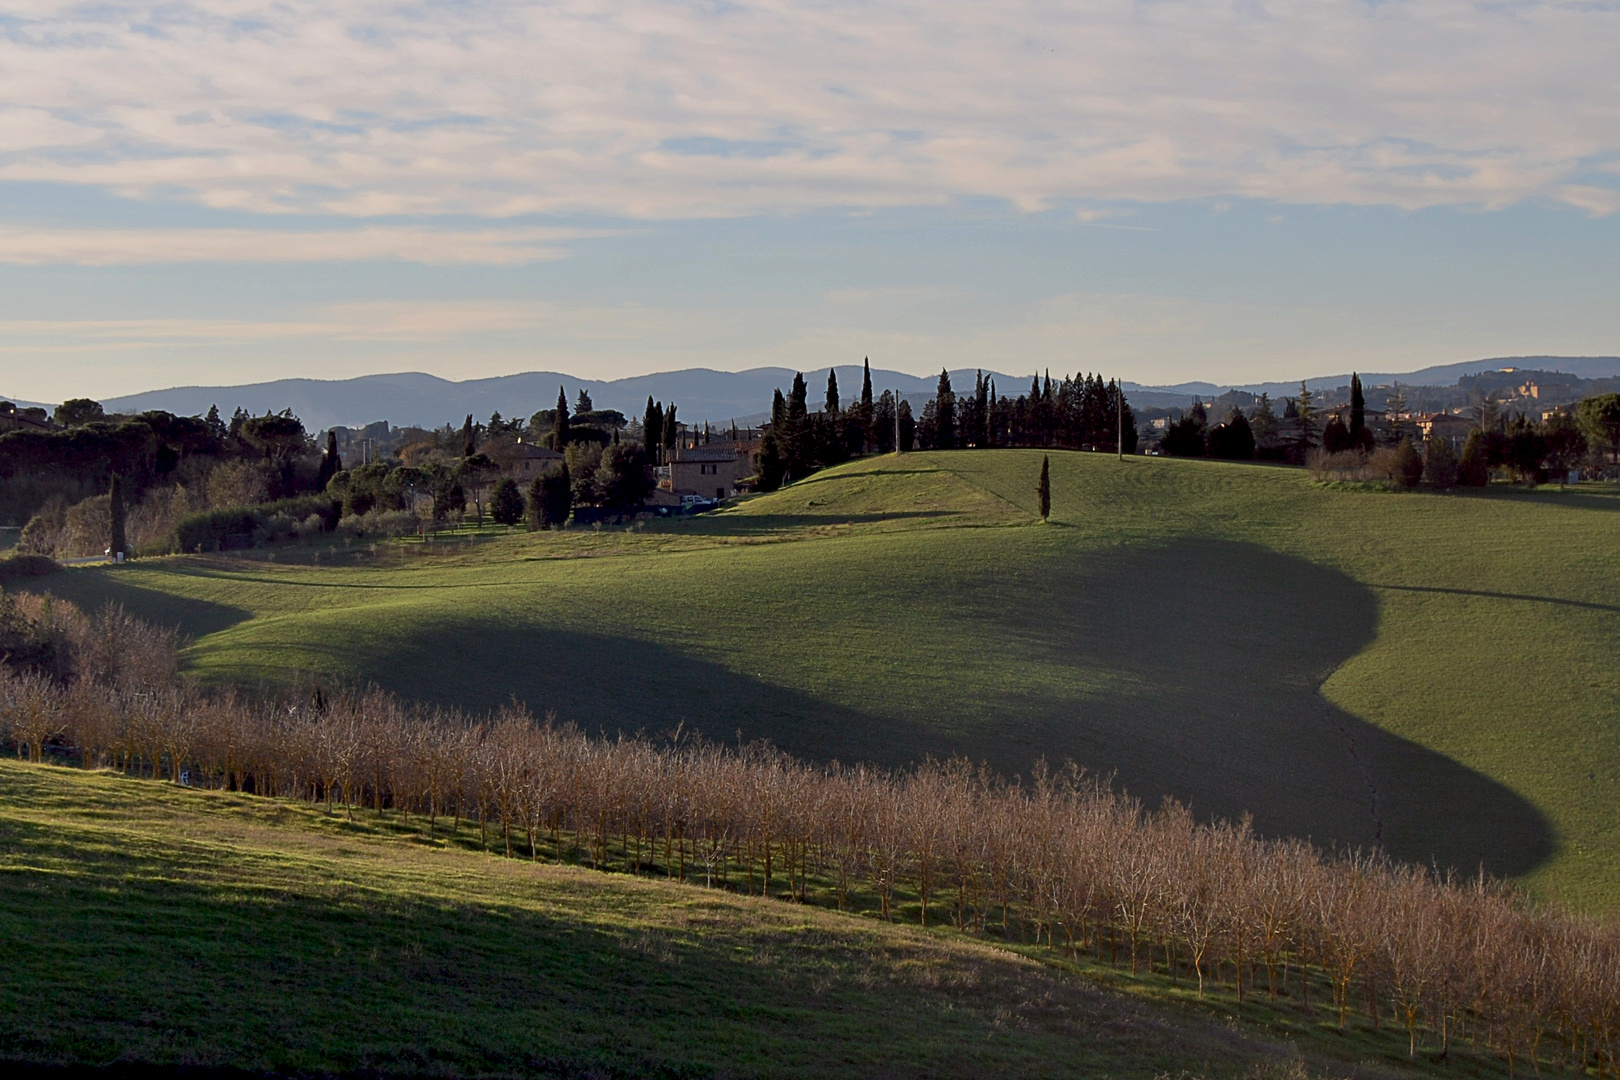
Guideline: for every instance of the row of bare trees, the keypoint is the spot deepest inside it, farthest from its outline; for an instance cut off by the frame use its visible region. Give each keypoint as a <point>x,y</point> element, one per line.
<point>1059,858</point>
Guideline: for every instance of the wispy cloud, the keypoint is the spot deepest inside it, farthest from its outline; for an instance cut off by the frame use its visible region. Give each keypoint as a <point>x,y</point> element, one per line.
<point>672,109</point>
<point>123,246</point>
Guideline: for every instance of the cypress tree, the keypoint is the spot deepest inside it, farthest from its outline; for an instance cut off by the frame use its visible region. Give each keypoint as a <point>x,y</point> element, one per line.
<point>672,430</point>
<point>866,388</point>
<point>559,432</point>
<point>469,444</point>
<point>990,417</point>
<point>832,393</point>
<point>792,441</point>
<point>1358,408</point>
<point>115,493</point>
<point>945,412</point>
<point>1044,489</point>
<point>331,464</point>
<point>652,430</point>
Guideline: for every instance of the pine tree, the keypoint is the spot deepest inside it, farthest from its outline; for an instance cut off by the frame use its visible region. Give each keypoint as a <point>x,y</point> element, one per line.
<point>944,413</point>
<point>582,402</point>
<point>1264,424</point>
<point>115,493</point>
<point>1304,422</point>
<point>216,426</point>
<point>559,432</point>
<point>1395,418</point>
<point>1044,488</point>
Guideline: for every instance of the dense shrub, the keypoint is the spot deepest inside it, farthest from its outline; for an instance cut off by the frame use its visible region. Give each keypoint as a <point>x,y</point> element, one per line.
<point>1474,469</point>
<point>380,523</point>
<point>26,565</point>
<point>1406,466</point>
<point>1439,464</point>
<point>213,530</point>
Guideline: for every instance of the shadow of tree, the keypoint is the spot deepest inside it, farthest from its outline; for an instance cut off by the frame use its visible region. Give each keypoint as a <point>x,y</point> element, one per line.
<point>1221,650</point>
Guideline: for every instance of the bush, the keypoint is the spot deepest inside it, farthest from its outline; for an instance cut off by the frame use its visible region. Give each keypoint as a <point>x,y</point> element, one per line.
<point>26,566</point>
<point>1345,466</point>
<point>1406,468</point>
<point>1233,440</point>
<point>380,524</point>
<point>1474,470</point>
<point>506,503</point>
<point>242,526</point>
<point>1439,464</point>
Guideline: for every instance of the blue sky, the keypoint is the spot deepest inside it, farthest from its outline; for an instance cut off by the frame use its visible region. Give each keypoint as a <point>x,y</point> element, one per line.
<point>220,192</point>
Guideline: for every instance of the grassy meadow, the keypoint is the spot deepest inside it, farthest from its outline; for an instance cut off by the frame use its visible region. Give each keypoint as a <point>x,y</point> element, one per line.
<point>150,926</point>
<point>1433,672</point>
<point>154,925</point>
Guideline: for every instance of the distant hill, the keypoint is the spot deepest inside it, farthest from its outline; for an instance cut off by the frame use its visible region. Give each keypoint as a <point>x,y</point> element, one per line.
<point>701,394</point>
<point>429,401</point>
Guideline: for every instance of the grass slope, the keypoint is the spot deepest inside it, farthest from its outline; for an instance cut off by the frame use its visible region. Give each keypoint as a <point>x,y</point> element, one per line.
<point>152,925</point>
<point>1435,672</point>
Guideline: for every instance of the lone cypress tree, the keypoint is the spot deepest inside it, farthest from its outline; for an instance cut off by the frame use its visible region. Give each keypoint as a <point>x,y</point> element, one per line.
<point>116,545</point>
<point>1044,489</point>
<point>331,464</point>
<point>866,388</point>
<point>832,392</point>
<point>559,431</point>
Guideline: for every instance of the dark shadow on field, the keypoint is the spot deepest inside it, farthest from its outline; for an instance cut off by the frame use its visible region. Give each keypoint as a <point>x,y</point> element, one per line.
<point>138,958</point>
<point>1222,649</point>
<point>1579,498</point>
<point>91,587</point>
<point>612,684</point>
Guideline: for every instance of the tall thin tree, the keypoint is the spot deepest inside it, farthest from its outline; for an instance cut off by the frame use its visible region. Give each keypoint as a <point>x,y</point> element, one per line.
<point>115,497</point>
<point>559,430</point>
<point>1044,488</point>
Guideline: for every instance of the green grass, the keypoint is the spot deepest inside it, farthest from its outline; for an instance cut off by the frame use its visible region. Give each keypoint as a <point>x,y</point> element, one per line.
<point>1433,671</point>
<point>148,924</point>
<point>152,925</point>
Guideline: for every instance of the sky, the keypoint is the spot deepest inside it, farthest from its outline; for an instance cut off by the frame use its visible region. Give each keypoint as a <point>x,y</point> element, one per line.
<point>228,191</point>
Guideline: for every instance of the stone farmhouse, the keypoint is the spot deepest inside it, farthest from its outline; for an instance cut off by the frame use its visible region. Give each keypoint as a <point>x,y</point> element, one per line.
<point>711,470</point>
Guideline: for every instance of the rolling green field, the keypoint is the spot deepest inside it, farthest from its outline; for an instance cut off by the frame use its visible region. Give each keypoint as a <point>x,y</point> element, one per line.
<point>150,926</point>
<point>1435,672</point>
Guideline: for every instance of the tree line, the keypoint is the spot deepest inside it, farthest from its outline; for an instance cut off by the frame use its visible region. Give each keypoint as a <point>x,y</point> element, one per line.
<point>1080,412</point>
<point>1059,858</point>
<point>1349,446</point>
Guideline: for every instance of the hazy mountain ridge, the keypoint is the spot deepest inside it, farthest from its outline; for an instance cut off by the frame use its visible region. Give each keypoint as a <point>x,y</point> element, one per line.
<point>701,394</point>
